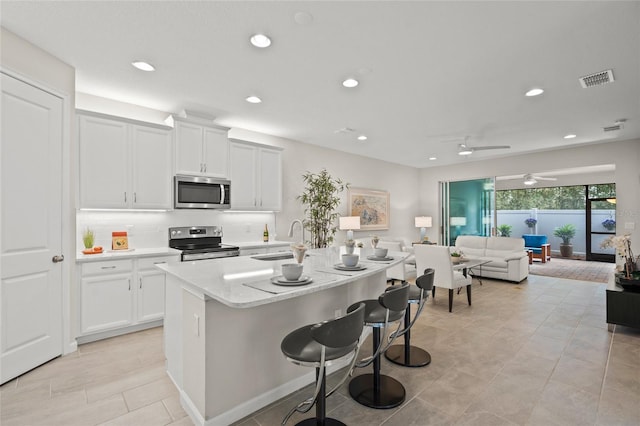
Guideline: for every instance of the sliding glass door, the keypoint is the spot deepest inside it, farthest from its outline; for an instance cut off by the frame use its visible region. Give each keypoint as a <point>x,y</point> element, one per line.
<point>468,208</point>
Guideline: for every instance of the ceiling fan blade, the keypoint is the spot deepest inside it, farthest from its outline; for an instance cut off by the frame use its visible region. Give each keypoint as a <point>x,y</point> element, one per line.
<point>544,178</point>
<point>482,148</point>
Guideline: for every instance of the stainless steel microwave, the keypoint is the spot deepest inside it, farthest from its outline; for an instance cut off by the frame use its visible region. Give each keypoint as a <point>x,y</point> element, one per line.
<point>199,192</point>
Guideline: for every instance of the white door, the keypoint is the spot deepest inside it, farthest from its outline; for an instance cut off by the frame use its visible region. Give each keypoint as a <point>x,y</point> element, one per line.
<point>30,225</point>
<point>150,295</point>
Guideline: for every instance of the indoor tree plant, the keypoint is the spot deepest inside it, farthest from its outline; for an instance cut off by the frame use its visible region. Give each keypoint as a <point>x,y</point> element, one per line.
<point>321,197</point>
<point>566,233</point>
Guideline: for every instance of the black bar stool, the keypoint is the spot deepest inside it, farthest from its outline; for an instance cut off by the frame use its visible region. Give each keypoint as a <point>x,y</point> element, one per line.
<point>407,355</point>
<point>376,390</point>
<point>319,345</point>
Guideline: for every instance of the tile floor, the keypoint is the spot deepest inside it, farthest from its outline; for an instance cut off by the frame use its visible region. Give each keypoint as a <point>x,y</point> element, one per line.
<point>537,353</point>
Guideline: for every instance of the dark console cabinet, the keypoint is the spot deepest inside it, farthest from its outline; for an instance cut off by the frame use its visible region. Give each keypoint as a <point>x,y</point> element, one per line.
<point>623,307</point>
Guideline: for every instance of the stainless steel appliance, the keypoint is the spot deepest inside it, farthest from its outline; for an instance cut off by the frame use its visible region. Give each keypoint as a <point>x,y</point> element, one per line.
<point>200,192</point>
<point>200,242</point>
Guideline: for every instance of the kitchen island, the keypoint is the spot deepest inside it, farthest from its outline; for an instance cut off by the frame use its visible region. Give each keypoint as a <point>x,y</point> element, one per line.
<point>225,320</point>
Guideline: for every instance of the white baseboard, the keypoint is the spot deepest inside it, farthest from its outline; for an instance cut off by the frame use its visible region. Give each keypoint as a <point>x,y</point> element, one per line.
<point>117,332</point>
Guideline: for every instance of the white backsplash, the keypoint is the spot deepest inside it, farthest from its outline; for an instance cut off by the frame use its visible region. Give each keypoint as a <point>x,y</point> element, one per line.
<point>147,229</point>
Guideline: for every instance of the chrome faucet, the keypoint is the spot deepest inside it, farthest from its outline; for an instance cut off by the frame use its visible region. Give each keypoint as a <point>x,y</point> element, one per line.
<point>301,228</point>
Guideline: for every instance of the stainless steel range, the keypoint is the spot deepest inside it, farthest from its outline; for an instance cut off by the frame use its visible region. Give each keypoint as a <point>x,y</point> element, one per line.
<point>200,242</point>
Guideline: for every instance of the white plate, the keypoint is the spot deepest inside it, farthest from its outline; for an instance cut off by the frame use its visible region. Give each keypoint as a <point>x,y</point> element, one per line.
<point>342,267</point>
<point>387,258</point>
<point>281,280</point>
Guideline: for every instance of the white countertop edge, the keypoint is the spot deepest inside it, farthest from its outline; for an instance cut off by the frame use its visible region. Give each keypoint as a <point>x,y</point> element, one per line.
<point>132,254</point>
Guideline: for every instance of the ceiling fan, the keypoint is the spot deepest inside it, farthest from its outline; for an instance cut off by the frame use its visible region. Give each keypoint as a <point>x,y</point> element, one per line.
<point>464,149</point>
<point>530,179</point>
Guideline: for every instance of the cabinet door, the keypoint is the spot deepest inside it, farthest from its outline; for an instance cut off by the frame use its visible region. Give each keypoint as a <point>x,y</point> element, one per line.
<point>188,149</point>
<point>104,168</point>
<point>216,152</point>
<point>151,169</point>
<point>107,302</point>
<point>242,162</point>
<point>150,295</point>
<point>270,180</point>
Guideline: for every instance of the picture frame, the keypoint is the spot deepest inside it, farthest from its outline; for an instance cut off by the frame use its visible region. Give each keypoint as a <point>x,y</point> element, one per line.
<point>372,206</point>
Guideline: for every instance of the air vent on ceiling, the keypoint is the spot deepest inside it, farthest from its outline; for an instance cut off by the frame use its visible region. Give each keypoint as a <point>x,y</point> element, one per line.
<point>597,79</point>
<point>612,128</point>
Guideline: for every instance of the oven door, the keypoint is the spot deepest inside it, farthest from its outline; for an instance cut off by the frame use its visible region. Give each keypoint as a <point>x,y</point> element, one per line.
<point>196,192</point>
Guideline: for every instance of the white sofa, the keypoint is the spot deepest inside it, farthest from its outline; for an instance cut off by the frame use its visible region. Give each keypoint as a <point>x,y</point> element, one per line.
<point>508,259</point>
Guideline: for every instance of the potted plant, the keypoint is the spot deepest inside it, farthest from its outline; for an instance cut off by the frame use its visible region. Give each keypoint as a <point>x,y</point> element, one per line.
<point>566,233</point>
<point>456,256</point>
<point>530,222</point>
<point>609,224</point>
<point>321,197</point>
<point>504,230</point>
<point>88,238</point>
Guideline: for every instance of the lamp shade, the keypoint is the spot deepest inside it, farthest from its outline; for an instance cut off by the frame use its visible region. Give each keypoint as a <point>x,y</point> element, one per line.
<point>423,222</point>
<point>458,221</point>
<point>349,222</point>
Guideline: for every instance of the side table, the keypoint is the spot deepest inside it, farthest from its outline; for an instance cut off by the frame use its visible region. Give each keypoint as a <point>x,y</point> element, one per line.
<point>623,306</point>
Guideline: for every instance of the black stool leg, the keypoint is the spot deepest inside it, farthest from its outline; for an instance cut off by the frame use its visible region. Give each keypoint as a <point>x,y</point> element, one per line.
<point>377,390</point>
<point>321,418</point>
<point>407,355</point>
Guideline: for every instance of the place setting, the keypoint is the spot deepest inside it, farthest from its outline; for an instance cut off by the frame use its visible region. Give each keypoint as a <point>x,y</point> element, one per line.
<point>380,255</point>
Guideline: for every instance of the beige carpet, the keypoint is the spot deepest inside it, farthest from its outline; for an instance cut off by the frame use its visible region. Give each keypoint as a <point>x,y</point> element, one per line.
<point>574,269</point>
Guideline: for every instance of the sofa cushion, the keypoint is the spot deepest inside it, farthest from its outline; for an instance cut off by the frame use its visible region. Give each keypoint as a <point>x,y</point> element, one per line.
<point>495,262</point>
<point>503,244</point>
<point>533,240</point>
<point>471,245</point>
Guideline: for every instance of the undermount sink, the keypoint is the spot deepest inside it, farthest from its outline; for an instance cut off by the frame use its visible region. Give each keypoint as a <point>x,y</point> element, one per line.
<point>273,256</point>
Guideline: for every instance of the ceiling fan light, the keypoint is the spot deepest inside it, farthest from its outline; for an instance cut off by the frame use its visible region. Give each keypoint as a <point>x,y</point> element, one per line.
<point>529,180</point>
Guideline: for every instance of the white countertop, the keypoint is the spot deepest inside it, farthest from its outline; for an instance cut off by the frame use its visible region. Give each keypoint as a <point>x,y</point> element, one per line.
<point>225,279</point>
<point>126,254</point>
<point>259,244</point>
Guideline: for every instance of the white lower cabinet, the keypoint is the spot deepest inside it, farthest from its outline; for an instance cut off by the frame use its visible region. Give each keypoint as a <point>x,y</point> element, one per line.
<point>118,294</point>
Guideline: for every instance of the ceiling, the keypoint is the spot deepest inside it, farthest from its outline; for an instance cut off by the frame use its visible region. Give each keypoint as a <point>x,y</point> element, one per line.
<point>432,74</point>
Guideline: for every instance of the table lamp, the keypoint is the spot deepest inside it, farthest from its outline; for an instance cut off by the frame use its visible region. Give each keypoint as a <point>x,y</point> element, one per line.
<point>349,223</point>
<point>423,222</point>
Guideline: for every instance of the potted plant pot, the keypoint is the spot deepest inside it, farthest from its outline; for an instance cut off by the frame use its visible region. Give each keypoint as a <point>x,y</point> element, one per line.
<point>566,250</point>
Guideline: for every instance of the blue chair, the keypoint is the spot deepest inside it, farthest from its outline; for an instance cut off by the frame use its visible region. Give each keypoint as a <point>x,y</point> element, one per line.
<point>538,246</point>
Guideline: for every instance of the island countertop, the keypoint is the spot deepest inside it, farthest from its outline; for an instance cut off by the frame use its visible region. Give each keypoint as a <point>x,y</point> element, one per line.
<point>231,281</point>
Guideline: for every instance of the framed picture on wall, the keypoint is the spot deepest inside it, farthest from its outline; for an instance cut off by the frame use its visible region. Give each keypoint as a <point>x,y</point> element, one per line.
<point>372,206</point>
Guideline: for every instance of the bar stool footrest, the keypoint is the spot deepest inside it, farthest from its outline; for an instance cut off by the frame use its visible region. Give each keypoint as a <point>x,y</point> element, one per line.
<point>314,422</point>
<point>390,393</point>
<point>418,357</point>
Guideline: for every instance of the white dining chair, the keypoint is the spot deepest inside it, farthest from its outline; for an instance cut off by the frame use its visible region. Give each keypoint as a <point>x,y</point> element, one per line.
<point>439,258</point>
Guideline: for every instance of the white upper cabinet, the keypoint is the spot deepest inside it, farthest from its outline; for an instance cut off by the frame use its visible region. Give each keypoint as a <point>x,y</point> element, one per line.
<point>123,164</point>
<point>256,177</point>
<point>201,150</point>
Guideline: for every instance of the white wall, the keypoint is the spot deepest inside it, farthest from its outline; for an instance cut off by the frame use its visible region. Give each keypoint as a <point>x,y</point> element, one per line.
<point>625,155</point>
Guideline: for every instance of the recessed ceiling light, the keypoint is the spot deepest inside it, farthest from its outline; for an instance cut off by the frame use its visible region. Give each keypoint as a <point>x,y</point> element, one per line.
<point>260,40</point>
<point>465,151</point>
<point>253,99</point>
<point>362,138</point>
<point>433,158</point>
<point>570,136</point>
<point>350,82</point>
<point>144,66</point>
<point>534,92</point>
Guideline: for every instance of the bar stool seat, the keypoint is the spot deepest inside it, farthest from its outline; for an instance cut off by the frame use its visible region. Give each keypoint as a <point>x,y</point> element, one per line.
<point>407,355</point>
<point>374,389</point>
<point>319,345</point>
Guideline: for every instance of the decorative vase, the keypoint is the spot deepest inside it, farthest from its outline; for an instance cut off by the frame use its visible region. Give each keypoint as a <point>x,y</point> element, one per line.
<point>374,241</point>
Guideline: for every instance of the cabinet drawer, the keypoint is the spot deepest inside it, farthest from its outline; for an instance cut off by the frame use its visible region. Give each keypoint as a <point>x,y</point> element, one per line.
<point>107,267</point>
<point>148,263</point>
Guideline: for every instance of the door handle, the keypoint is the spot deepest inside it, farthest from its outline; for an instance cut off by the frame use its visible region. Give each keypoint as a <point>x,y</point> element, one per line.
<point>57,258</point>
